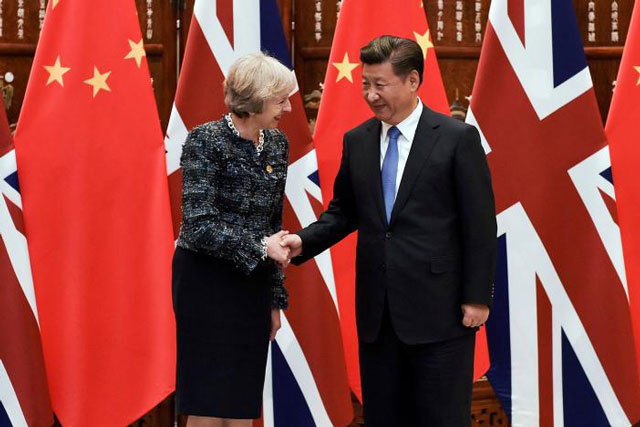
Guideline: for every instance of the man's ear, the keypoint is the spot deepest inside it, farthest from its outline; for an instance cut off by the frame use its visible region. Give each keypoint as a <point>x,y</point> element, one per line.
<point>414,80</point>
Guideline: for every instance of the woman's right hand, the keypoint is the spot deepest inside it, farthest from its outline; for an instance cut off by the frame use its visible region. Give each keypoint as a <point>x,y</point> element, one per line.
<point>277,252</point>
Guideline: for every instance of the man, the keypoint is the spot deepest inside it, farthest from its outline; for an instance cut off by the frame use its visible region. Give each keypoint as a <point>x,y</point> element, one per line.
<point>416,186</point>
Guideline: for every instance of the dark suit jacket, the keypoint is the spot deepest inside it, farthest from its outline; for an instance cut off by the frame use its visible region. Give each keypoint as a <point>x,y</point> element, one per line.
<point>439,248</point>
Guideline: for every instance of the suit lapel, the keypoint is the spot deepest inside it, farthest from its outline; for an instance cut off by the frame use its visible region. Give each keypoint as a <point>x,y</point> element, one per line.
<point>423,143</point>
<point>372,167</point>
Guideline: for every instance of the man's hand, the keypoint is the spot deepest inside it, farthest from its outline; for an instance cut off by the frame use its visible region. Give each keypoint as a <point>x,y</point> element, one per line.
<point>276,251</point>
<point>294,243</point>
<point>474,315</point>
<point>275,323</point>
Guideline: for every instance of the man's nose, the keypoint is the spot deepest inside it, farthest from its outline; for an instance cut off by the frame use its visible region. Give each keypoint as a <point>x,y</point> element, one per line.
<point>371,95</point>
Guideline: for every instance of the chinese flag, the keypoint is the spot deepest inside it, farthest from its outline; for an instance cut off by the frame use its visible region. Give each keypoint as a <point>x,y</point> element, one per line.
<point>343,108</point>
<point>623,134</point>
<point>91,165</point>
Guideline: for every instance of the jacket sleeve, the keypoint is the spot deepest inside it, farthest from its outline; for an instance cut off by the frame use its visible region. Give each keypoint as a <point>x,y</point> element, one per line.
<point>477,215</point>
<point>339,220</point>
<point>280,296</point>
<point>201,161</point>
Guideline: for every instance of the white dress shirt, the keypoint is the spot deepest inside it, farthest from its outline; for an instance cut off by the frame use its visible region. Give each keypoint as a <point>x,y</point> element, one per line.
<point>407,129</point>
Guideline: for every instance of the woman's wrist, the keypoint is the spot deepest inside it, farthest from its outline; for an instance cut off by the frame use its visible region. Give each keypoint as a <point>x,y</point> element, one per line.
<point>265,248</point>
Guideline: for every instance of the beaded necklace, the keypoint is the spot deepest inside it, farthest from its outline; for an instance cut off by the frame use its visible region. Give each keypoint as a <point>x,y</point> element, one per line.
<point>235,131</point>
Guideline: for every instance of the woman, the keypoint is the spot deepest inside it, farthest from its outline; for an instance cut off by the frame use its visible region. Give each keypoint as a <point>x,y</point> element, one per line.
<point>227,278</point>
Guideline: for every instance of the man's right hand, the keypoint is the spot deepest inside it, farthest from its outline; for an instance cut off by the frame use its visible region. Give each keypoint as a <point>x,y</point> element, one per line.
<point>294,243</point>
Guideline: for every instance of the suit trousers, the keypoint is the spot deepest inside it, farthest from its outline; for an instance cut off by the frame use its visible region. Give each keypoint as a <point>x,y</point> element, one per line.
<point>416,385</point>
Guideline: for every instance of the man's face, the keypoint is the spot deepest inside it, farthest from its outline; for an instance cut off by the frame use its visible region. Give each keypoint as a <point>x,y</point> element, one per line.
<point>390,97</point>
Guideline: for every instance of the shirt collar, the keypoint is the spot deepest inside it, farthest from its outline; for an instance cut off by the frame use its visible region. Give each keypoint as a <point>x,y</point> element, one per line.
<point>408,126</point>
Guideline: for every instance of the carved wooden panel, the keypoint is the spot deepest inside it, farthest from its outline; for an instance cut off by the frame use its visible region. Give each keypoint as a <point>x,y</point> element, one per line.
<point>485,408</point>
<point>162,415</point>
<point>158,26</point>
<point>20,23</point>
<point>315,23</point>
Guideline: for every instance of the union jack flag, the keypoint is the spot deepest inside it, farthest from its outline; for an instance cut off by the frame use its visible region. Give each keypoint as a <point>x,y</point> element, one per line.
<point>24,396</point>
<point>560,335</point>
<point>306,376</point>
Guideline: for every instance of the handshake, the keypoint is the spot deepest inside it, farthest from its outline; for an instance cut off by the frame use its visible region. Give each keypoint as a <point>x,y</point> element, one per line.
<point>282,246</point>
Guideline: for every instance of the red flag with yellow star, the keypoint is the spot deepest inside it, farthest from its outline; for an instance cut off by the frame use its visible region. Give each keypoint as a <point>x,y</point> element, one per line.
<point>96,208</point>
<point>623,134</point>
<point>343,108</point>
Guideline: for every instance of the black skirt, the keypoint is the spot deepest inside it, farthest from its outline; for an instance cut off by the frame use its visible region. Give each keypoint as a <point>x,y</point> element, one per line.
<point>223,322</point>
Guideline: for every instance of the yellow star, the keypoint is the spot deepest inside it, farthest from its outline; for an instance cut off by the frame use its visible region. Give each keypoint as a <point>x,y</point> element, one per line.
<point>345,68</point>
<point>137,51</point>
<point>422,4</point>
<point>98,81</point>
<point>55,3</point>
<point>56,71</point>
<point>637,68</point>
<point>424,42</point>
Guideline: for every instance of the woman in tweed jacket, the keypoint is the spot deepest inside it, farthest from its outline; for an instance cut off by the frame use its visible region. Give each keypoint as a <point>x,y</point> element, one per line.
<point>227,269</point>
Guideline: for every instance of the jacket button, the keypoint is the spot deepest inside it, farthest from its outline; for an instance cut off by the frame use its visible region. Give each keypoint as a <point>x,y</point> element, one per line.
<point>388,235</point>
<point>384,267</point>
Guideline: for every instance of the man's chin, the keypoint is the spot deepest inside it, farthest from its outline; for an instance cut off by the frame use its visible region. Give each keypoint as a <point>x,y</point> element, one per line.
<point>381,116</point>
<point>380,113</point>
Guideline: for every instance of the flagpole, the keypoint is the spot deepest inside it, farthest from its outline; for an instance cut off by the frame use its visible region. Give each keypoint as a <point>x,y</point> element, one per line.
<point>178,5</point>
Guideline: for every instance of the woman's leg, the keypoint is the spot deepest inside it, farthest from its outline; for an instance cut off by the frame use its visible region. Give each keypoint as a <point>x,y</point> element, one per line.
<point>195,421</point>
<point>228,422</point>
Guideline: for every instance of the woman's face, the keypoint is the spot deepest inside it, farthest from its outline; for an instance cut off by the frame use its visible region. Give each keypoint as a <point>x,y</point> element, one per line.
<point>272,111</point>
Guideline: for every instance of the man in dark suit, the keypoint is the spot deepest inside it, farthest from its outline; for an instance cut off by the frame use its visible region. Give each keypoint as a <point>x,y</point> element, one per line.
<point>416,186</point>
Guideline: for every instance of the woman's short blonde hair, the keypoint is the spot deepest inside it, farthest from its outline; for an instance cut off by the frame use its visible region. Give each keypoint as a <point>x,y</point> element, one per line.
<point>254,78</point>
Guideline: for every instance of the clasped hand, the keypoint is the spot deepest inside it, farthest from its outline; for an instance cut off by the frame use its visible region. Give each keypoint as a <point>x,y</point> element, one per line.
<point>282,246</point>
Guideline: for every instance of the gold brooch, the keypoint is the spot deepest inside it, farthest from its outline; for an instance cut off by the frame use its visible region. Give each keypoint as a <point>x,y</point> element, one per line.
<point>269,169</point>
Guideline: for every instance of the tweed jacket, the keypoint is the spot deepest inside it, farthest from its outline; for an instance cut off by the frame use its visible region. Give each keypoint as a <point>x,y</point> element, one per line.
<point>232,197</point>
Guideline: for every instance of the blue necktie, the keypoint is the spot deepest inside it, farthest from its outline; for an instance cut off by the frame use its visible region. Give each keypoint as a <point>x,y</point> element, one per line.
<point>390,170</point>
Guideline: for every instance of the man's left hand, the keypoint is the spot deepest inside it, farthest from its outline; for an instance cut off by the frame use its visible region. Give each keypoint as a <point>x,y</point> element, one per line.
<point>474,315</point>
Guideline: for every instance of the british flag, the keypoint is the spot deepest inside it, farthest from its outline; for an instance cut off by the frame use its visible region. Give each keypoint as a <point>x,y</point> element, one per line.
<point>24,396</point>
<point>306,376</point>
<point>559,334</point>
